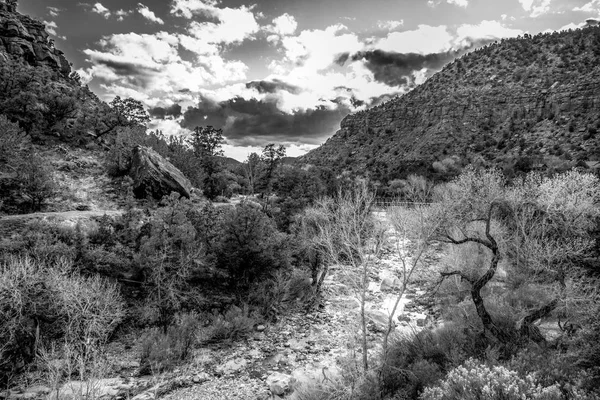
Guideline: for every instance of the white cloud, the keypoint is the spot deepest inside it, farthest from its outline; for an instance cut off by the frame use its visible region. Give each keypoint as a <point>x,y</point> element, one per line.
<point>460,3</point>
<point>592,6</point>
<point>148,14</point>
<point>121,14</point>
<point>53,11</point>
<point>424,40</point>
<point>536,7</point>
<point>389,25</point>
<point>98,8</point>
<point>152,65</point>
<point>51,29</point>
<point>284,25</point>
<point>486,30</point>
<point>234,24</point>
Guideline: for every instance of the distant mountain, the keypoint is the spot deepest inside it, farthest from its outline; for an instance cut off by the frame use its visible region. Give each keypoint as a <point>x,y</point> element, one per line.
<point>520,104</point>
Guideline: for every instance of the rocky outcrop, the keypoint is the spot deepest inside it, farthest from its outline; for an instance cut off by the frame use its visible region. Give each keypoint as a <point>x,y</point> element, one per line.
<point>27,39</point>
<point>153,176</point>
<point>533,98</point>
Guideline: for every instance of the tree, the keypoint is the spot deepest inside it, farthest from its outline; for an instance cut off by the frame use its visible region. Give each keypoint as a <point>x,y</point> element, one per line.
<point>206,144</point>
<point>122,113</point>
<point>252,168</point>
<point>35,181</point>
<point>539,228</point>
<point>271,157</point>
<point>168,256</point>
<point>344,232</point>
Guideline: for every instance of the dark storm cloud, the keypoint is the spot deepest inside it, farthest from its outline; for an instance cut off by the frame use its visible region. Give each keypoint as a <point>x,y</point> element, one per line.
<point>395,69</point>
<point>341,59</point>
<point>257,122</point>
<point>273,86</point>
<point>162,112</point>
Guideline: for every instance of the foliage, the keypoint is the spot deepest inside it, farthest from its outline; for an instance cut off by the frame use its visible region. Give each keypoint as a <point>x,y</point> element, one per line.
<point>122,113</point>
<point>168,256</point>
<point>250,248</point>
<point>235,324</point>
<point>35,181</point>
<point>11,140</point>
<point>476,381</point>
<point>162,351</point>
<point>41,303</point>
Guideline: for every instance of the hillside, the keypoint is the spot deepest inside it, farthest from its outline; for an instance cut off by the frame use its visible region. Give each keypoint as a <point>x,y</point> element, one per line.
<point>521,103</point>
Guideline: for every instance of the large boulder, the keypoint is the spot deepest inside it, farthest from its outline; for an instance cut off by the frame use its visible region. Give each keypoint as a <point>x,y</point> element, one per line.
<point>154,176</point>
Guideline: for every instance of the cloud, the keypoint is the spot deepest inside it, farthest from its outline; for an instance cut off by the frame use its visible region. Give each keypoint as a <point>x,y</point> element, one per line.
<point>459,3</point>
<point>468,35</point>
<point>273,86</point>
<point>121,14</point>
<point>259,122</point>
<point>395,69</point>
<point>53,11</point>
<point>149,15</point>
<point>98,8</point>
<point>389,25</point>
<point>152,63</point>
<point>423,40</point>
<point>536,7</point>
<point>164,112</point>
<point>233,25</point>
<point>51,29</point>
<point>592,6</point>
<point>284,25</point>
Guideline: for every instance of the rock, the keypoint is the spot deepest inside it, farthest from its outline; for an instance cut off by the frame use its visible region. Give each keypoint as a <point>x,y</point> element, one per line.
<point>26,38</point>
<point>154,176</point>
<point>279,383</point>
<point>389,283</point>
<point>403,318</point>
<point>201,377</point>
<point>260,328</point>
<point>232,366</point>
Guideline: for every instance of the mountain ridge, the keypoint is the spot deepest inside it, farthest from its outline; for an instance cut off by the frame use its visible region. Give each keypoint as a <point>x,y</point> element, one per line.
<point>507,104</point>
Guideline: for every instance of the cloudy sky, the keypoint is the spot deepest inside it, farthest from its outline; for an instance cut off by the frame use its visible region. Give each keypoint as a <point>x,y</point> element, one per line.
<point>278,71</point>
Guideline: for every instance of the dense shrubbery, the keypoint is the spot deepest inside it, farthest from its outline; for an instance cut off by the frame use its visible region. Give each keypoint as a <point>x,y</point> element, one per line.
<point>40,303</point>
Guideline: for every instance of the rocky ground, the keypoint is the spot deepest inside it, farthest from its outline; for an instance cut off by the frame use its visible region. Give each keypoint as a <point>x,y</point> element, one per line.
<point>276,359</point>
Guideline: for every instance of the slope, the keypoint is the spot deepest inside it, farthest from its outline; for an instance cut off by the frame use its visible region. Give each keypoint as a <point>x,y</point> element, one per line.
<point>520,104</point>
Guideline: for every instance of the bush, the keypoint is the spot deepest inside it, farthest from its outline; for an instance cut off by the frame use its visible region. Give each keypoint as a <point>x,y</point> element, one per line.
<point>35,181</point>
<point>412,363</point>
<point>11,139</point>
<point>251,248</point>
<point>476,381</point>
<point>235,324</point>
<point>39,303</point>
<point>163,351</point>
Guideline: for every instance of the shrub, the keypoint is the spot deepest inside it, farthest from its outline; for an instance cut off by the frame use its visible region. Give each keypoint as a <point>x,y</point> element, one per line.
<point>163,351</point>
<point>41,304</point>
<point>476,381</point>
<point>251,248</point>
<point>11,139</point>
<point>35,180</point>
<point>235,324</point>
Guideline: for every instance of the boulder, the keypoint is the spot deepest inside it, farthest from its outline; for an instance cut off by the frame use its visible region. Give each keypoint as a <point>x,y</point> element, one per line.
<point>279,383</point>
<point>154,176</point>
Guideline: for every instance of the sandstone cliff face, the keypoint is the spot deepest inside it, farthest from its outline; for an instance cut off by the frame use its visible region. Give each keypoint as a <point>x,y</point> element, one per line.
<point>26,38</point>
<point>494,106</point>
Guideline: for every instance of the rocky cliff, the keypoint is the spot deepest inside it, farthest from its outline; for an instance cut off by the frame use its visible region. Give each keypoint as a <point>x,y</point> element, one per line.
<point>525,103</point>
<point>26,38</point>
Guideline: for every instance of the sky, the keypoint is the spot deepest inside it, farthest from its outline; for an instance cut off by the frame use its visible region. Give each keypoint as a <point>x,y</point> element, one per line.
<point>278,71</point>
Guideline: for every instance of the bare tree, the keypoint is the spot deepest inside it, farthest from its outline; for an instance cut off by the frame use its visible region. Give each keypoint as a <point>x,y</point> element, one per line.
<point>347,235</point>
<point>538,226</point>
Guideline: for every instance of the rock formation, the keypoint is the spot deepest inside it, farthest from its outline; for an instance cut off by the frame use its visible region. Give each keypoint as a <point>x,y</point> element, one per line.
<point>154,176</point>
<point>26,38</point>
<point>532,98</point>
